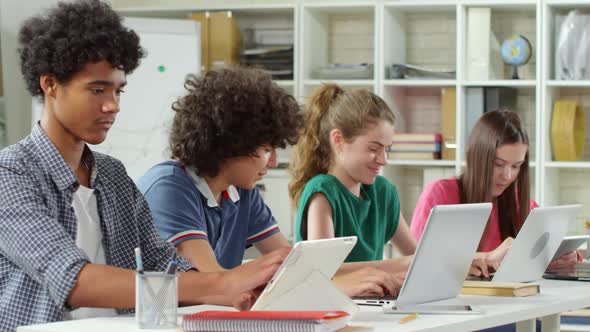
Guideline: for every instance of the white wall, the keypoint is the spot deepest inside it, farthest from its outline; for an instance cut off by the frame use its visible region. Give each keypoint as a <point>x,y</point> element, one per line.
<point>17,98</point>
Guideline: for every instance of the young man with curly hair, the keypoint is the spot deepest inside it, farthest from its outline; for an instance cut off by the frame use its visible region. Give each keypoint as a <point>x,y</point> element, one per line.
<point>223,140</point>
<point>70,218</point>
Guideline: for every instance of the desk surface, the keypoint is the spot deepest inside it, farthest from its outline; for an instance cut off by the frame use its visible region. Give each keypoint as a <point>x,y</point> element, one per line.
<point>556,296</point>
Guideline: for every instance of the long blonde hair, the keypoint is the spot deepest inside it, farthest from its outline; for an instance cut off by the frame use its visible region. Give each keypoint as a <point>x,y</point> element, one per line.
<point>330,107</point>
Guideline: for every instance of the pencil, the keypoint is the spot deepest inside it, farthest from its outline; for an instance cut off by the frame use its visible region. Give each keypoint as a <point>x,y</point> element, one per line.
<point>408,318</point>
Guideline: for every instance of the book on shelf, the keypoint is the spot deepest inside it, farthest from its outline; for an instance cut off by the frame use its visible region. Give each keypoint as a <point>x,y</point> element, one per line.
<point>416,137</point>
<point>413,155</point>
<point>448,123</point>
<point>271,321</point>
<point>476,287</point>
<point>415,147</point>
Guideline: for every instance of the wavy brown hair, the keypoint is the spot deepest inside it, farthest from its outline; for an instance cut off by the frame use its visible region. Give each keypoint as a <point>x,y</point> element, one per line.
<point>330,107</point>
<point>491,131</point>
<point>230,113</point>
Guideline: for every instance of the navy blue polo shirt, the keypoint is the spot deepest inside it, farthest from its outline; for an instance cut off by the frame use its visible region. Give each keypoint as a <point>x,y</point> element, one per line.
<point>184,208</point>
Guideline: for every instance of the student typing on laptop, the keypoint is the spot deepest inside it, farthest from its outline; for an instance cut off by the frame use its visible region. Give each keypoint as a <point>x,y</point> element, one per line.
<point>497,171</point>
<point>335,177</point>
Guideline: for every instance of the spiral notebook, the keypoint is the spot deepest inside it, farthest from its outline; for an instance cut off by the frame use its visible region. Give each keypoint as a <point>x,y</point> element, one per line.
<point>265,321</point>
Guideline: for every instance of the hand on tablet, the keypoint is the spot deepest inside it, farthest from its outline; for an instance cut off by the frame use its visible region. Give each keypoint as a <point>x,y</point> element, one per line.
<point>253,274</point>
<point>486,262</point>
<point>566,260</point>
<point>369,281</point>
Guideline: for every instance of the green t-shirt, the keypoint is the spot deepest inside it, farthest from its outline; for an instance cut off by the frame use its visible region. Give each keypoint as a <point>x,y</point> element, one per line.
<point>372,218</point>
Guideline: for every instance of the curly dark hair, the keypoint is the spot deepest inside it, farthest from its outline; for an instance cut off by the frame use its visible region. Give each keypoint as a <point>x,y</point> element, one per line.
<point>230,113</point>
<point>71,36</point>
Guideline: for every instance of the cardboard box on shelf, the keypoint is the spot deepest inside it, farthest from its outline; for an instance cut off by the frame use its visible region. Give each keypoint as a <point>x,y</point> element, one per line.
<point>221,39</point>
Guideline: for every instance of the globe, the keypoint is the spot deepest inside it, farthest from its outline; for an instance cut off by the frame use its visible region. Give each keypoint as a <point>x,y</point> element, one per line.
<point>516,51</point>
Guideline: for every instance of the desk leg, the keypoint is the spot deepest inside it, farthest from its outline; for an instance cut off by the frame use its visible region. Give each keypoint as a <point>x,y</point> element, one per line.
<point>550,323</point>
<point>526,325</point>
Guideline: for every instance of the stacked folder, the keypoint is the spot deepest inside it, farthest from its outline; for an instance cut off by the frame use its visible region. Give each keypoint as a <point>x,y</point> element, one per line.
<point>276,60</point>
<point>415,146</point>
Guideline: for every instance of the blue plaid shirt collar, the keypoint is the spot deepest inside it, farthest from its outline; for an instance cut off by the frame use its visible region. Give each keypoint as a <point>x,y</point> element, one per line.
<point>55,165</point>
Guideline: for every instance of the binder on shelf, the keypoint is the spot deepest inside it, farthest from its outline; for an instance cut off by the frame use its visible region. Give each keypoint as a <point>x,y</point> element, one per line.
<point>448,123</point>
<point>480,100</point>
<point>484,59</point>
<point>567,131</point>
<point>288,321</point>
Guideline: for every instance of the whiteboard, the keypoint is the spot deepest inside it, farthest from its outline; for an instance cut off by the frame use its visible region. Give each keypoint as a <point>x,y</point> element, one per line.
<point>139,136</point>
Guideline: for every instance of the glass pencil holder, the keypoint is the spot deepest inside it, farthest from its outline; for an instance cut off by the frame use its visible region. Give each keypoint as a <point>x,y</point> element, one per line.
<point>156,300</point>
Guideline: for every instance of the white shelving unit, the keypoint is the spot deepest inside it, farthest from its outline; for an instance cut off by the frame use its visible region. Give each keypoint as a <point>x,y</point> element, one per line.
<point>429,33</point>
<point>562,182</point>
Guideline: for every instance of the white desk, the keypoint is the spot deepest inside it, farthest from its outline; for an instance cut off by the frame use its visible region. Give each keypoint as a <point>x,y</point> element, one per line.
<point>555,297</point>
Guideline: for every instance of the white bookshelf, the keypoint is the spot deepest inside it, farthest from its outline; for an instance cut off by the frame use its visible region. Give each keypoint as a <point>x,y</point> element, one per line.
<point>428,33</point>
<point>562,182</point>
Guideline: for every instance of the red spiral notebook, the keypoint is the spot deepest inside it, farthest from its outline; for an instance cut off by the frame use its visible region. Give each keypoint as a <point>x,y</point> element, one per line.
<point>265,321</point>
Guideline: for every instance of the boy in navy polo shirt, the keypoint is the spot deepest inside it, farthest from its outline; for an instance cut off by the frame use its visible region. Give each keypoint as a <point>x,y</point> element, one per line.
<point>222,142</point>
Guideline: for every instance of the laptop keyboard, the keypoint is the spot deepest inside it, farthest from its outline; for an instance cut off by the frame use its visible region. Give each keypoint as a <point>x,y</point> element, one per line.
<point>377,298</point>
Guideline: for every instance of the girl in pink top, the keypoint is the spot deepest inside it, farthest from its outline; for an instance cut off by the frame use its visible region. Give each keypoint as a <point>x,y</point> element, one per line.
<point>497,171</point>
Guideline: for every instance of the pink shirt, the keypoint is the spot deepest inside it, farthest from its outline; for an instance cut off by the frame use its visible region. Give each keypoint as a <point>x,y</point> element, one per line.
<point>446,191</point>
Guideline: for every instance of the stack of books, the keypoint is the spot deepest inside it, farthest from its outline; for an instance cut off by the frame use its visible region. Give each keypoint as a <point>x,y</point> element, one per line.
<point>269,49</point>
<point>415,146</point>
<point>263,321</point>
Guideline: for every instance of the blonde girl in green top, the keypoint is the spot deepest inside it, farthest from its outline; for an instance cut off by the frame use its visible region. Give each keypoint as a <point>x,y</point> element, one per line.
<point>335,176</point>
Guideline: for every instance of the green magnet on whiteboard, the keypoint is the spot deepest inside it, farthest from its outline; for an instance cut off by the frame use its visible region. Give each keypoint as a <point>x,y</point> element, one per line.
<point>161,68</point>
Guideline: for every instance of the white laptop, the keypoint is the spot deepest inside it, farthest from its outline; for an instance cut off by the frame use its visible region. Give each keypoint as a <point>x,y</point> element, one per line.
<point>443,256</point>
<point>303,281</point>
<point>536,243</point>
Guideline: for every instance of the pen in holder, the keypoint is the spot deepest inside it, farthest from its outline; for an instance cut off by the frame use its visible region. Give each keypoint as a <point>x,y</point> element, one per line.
<point>156,300</point>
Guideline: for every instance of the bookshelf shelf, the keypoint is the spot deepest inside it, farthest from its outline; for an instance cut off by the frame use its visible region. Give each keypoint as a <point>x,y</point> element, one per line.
<point>433,163</point>
<point>340,82</point>
<point>568,3</point>
<point>411,83</point>
<point>572,84</point>
<point>501,83</point>
<point>567,164</point>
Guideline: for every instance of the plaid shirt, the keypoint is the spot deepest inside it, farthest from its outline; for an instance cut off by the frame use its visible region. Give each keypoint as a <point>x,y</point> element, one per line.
<point>39,259</point>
